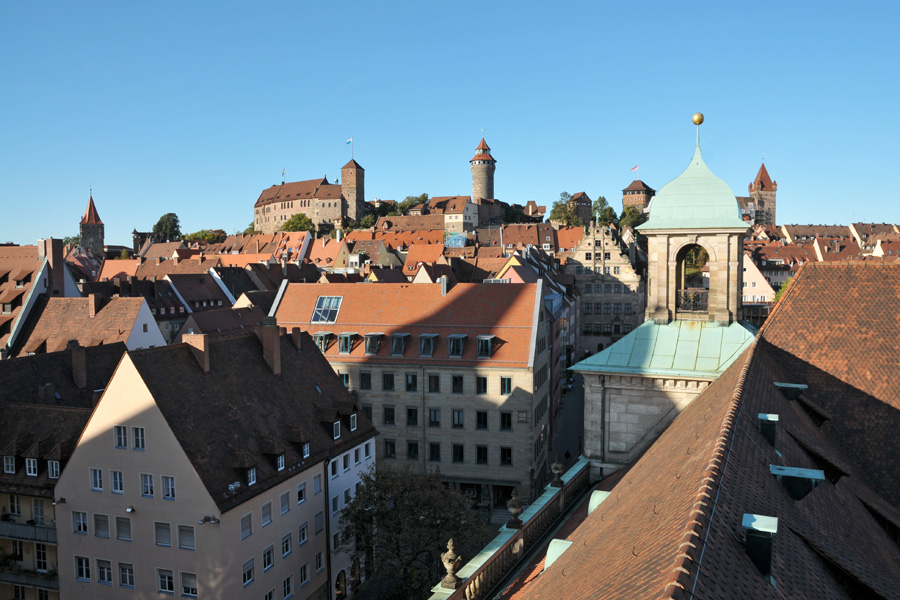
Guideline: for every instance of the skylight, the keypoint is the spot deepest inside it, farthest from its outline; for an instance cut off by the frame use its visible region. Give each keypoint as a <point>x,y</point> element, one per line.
<point>326,310</point>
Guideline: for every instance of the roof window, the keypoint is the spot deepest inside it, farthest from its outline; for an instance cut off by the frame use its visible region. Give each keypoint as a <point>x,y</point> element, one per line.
<point>322,338</point>
<point>759,534</point>
<point>485,346</point>
<point>345,342</point>
<point>426,344</point>
<point>456,343</point>
<point>791,391</point>
<point>372,342</point>
<point>326,310</point>
<point>796,481</point>
<point>768,426</point>
<point>398,343</point>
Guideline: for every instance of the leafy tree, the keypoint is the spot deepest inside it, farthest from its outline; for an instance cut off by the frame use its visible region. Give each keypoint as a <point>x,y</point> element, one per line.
<point>368,221</point>
<point>72,240</point>
<point>410,202</point>
<point>251,229</point>
<point>564,212</point>
<point>604,214</point>
<point>125,255</point>
<point>632,216</point>
<point>782,290</point>
<point>397,526</point>
<point>211,236</point>
<point>167,229</point>
<point>514,215</point>
<point>298,222</point>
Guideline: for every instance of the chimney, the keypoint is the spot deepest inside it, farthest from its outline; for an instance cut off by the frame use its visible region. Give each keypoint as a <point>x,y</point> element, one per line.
<point>52,250</point>
<point>269,335</point>
<point>175,260</point>
<point>444,281</point>
<point>94,301</point>
<point>158,259</point>
<point>296,335</point>
<point>797,482</point>
<point>79,363</point>
<point>199,348</point>
<point>759,532</point>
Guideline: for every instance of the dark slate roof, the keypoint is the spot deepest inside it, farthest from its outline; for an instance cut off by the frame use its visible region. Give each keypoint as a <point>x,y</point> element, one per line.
<point>241,411</point>
<point>236,280</point>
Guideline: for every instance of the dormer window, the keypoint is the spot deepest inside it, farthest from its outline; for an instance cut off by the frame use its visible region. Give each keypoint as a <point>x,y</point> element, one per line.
<point>398,343</point>
<point>322,338</point>
<point>305,449</point>
<point>456,343</point>
<point>337,429</point>
<point>372,341</point>
<point>53,469</point>
<point>251,475</point>
<point>353,422</point>
<point>279,462</point>
<point>31,467</point>
<point>426,344</point>
<point>485,346</point>
<point>9,464</point>
<point>345,342</point>
<point>326,310</point>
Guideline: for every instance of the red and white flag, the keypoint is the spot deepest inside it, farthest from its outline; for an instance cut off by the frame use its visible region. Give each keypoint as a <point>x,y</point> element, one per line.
<point>634,168</point>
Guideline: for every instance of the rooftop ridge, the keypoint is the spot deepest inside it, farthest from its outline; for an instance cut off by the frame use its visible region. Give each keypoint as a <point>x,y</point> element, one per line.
<point>702,512</point>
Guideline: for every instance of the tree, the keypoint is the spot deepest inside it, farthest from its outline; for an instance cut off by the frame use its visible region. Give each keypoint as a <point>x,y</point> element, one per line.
<point>368,221</point>
<point>125,255</point>
<point>410,202</point>
<point>167,229</point>
<point>564,213</point>
<point>604,214</point>
<point>74,240</point>
<point>251,229</point>
<point>514,215</point>
<point>298,222</point>
<point>211,236</point>
<point>632,216</point>
<point>398,524</point>
<point>782,290</point>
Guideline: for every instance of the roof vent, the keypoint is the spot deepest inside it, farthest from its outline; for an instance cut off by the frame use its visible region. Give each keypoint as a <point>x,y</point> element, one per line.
<point>597,498</point>
<point>798,482</point>
<point>791,391</point>
<point>554,551</point>
<point>768,426</point>
<point>759,533</point>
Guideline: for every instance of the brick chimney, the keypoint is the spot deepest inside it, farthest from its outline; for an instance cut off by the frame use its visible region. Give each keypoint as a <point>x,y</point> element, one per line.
<point>199,348</point>
<point>94,301</point>
<point>296,336</point>
<point>52,250</point>
<point>269,335</point>
<point>79,363</point>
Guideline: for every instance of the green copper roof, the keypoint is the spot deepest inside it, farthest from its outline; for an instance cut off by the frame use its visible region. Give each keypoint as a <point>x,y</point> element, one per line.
<point>696,199</point>
<point>701,349</point>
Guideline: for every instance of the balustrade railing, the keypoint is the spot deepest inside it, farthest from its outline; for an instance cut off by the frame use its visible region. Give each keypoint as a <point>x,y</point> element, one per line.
<point>692,300</point>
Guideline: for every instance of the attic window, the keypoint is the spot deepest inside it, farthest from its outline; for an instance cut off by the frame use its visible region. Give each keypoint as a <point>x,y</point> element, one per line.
<point>9,464</point>
<point>426,344</point>
<point>485,346</point>
<point>279,462</point>
<point>353,422</point>
<point>372,341</point>
<point>337,429</point>
<point>398,343</point>
<point>456,343</point>
<point>326,310</point>
<point>251,475</point>
<point>322,340</point>
<point>305,449</point>
<point>345,342</point>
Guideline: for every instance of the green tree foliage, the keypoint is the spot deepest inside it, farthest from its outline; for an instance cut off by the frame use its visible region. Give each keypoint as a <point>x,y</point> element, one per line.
<point>397,526</point>
<point>632,216</point>
<point>125,255</point>
<point>368,221</point>
<point>514,215</point>
<point>299,222</point>
<point>211,236</point>
<point>604,214</point>
<point>167,229</point>
<point>72,240</point>
<point>564,213</point>
<point>782,289</point>
<point>251,229</point>
<point>410,202</point>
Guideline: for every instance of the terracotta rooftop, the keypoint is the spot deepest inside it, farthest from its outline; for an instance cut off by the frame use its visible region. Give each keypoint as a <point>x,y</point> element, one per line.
<point>162,250</point>
<point>19,266</point>
<point>763,182</point>
<point>159,268</point>
<point>638,186</point>
<point>118,268</point>
<point>411,223</point>
<point>448,205</point>
<point>353,165</point>
<point>505,311</point>
<point>311,189</point>
<point>91,217</point>
<point>568,238</point>
<point>419,254</point>
<point>298,406</point>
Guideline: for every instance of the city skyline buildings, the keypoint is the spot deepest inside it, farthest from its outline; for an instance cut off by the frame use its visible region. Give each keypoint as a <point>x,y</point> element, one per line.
<point>195,109</point>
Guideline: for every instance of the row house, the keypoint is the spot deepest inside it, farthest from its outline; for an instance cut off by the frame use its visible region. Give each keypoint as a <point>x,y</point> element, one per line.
<point>455,379</point>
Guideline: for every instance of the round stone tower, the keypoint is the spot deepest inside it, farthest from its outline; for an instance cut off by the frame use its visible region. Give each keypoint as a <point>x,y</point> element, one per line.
<point>483,166</point>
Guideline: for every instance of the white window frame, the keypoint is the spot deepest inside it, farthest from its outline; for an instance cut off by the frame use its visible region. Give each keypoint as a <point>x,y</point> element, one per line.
<point>53,469</point>
<point>336,428</point>
<point>353,422</point>
<point>251,476</point>
<point>138,438</point>
<point>9,464</point>
<point>146,485</point>
<point>126,575</point>
<point>165,581</point>
<point>168,483</point>
<point>116,482</point>
<point>120,436</point>
<point>96,480</point>
<point>31,467</point>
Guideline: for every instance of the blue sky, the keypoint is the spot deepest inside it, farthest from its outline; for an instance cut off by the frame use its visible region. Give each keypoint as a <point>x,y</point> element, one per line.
<point>195,108</point>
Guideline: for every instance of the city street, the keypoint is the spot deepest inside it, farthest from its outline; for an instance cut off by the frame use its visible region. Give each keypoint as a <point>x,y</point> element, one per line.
<point>569,434</point>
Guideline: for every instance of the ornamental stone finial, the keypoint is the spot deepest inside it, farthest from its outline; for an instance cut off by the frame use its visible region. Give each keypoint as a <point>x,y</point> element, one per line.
<point>557,468</point>
<point>514,505</point>
<point>451,562</point>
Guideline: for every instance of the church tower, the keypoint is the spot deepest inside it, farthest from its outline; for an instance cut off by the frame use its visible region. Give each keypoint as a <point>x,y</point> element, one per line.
<point>695,218</point>
<point>483,166</point>
<point>91,230</point>
<point>353,187</point>
<point>762,191</point>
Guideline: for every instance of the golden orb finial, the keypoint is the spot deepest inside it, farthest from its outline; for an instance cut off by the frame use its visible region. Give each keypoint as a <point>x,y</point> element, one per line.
<point>697,118</point>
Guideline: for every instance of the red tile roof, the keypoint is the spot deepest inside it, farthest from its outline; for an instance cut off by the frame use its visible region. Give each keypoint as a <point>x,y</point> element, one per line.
<point>763,181</point>
<point>91,217</point>
<point>310,189</point>
<point>353,165</point>
<point>638,185</point>
<point>506,311</point>
<point>419,254</point>
<point>448,205</point>
<point>121,268</point>
<point>568,238</point>
<point>411,223</point>
<point>17,264</point>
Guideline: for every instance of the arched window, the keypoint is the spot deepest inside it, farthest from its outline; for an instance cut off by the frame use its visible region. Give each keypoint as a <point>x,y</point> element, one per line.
<point>691,293</point>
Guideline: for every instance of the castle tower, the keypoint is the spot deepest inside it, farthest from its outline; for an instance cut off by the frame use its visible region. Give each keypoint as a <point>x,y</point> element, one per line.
<point>353,187</point>
<point>762,190</point>
<point>91,230</point>
<point>695,215</point>
<point>483,166</point>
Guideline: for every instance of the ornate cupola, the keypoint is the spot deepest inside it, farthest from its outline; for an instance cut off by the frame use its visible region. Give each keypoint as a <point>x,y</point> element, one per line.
<point>483,166</point>
<point>695,244</point>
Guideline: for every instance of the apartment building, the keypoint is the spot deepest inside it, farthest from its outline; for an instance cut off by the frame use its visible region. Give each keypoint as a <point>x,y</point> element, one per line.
<point>205,471</point>
<point>455,379</point>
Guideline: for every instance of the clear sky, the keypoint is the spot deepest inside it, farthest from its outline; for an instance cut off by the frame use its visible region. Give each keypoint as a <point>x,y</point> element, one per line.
<point>196,107</point>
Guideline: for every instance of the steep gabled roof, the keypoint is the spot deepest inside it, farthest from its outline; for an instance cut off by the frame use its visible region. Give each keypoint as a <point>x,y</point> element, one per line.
<point>311,189</point>
<point>91,216</point>
<point>763,182</point>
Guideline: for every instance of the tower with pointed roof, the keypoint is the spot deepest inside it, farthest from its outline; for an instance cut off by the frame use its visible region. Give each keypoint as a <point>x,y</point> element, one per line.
<point>483,166</point>
<point>91,230</point>
<point>762,191</point>
<point>353,188</point>
<point>695,214</point>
